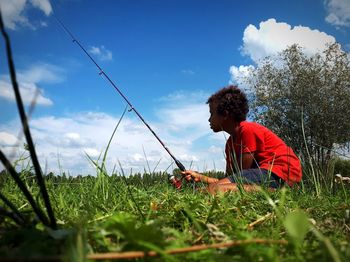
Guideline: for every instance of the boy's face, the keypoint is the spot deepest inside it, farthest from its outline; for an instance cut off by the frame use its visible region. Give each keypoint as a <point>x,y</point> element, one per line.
<point>216,120</point>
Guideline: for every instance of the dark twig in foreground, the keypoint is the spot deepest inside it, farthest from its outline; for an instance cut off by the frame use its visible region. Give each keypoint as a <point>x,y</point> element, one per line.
<point>141,254</point>
<point>25,125</point>
<point>23,188</point>
<point>15,215</point>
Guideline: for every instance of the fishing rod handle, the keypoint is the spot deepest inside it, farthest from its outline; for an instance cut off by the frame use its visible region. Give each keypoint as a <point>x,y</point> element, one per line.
<point>179,165</point>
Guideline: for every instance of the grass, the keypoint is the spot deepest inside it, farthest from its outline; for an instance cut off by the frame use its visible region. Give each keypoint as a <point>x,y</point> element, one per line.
<point>148,214</point>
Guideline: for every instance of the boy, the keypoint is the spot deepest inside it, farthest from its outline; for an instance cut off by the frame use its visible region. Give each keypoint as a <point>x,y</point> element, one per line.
<point>254,154</point>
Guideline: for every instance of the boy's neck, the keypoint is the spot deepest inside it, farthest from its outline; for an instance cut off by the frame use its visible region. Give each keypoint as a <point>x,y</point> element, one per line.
<point>232,128</point>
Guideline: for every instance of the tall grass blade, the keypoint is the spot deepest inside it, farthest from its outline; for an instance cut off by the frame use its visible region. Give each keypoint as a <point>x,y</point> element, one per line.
<point>316,181</point>
<point>102,168</point>
<point>155,167</point>
<point>331,249</point>
<point>111,138</point>
<point>130,193</point>
<point>144,153</point>
<point>95,163</point>
<point>25,125</point>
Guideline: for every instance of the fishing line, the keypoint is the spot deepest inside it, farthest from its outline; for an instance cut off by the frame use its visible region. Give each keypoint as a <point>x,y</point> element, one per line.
<point>103,74</point>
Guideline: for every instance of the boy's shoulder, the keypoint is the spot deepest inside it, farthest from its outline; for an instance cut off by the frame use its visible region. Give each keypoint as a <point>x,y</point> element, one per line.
<point>251,125</point>
<point>257,130</point>
<point>253,129</point>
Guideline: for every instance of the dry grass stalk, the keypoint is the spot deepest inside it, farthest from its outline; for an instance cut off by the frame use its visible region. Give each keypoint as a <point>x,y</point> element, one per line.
<point>140,254</point>
<point>258,221</point>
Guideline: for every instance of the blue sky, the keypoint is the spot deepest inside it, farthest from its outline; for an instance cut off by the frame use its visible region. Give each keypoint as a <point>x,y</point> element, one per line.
<point>166,56</point>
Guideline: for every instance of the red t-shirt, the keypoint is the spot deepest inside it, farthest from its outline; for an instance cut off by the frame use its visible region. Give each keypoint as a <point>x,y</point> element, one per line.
<point>270,152</point>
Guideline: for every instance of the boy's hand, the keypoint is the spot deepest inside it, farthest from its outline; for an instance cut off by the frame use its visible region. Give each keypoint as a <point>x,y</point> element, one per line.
<point>189,175</point>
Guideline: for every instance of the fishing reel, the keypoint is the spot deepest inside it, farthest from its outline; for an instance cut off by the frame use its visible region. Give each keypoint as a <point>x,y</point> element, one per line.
<point>178,182</point>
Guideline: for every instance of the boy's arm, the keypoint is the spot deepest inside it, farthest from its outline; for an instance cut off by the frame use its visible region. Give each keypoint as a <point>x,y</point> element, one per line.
<point>246,162</point>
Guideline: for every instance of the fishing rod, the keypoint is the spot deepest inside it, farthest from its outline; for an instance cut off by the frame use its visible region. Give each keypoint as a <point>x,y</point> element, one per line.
<point>102,73</point>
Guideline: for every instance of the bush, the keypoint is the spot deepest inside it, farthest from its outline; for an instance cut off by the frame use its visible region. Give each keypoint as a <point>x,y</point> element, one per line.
<point>342,166</point>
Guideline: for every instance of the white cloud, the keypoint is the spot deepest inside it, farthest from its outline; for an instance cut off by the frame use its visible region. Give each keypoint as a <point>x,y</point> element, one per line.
<point>14,15</point>
<point>92,152</point>
<point>239,74</point>
<point>43,24</point>
<point>194,116</point>
<point>12,12</point>
<point>73,136</point>
<point>187,72</point>
<point>8,139</point>
<point>28,81</point>
<point>182,96</point>
<point>43,5</point>
<point>41,73</point>
<point>138,157</point>
<point>188,158</point>
<point>67,139</point>
<point>215,149</point>
<point>27,90</point>
<point>272,37</point>
<point>102,53</point>
<point>338,12</point>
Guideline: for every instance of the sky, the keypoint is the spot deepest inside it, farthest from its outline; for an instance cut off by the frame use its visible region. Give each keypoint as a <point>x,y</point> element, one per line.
<point>167,57</point>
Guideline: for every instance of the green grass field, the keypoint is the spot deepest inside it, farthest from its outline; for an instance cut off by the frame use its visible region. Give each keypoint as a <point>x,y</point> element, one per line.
<point>112,214</point>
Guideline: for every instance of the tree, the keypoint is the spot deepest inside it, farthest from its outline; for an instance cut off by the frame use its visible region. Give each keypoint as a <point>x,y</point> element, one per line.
<point>305,99</point>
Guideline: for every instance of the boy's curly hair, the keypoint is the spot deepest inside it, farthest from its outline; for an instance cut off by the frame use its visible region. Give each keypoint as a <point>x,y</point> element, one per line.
<point>232,100</point>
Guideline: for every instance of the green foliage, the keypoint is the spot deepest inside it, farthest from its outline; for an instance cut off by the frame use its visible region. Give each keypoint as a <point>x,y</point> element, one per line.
<point>123,232</point>
<point>297,225</point>
<point>342,166</point>
<point>96,219</point>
